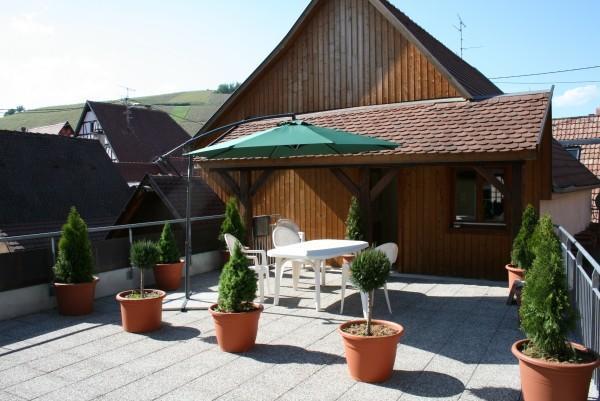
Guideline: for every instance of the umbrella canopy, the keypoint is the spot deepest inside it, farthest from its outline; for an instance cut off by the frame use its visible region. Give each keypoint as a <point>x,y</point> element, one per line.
<point>294,138</point>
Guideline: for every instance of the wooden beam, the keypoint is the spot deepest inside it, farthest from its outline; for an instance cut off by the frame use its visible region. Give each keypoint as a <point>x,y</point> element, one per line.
<point>365,203</point>
<point>515,198</point>
<point>262,179</point>
<point>246,201</point>
<point>491,178</point>
<point>383,183</point>
<point>164,199</point>
<point>347,181</point>
<point>230,183</point>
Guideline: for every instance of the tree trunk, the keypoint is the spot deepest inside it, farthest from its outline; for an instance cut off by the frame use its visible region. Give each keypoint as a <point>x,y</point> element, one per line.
<point>142,283</point>
<point>369,311</point>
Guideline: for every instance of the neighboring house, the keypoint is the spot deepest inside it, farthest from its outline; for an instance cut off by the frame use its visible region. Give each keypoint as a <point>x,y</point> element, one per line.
<point>161,197</point>
<point>44,175</point>
<point>470,157</point>
<point>132,136</point>
<point>62,129</point>
<point>580,136</point>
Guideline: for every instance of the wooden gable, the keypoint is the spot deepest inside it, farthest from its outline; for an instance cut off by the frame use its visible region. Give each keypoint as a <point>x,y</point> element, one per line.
<point>348,53</point>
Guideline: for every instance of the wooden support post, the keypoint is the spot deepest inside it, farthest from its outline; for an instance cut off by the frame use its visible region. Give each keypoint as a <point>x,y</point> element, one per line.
<point>383,183</point>
<point>516,198</point>
<point>230,183</point>
<point>346,181</point>
<point>246,201</point>
<point>260,181</point>
<point>491,178</point>
<point>365,203</point>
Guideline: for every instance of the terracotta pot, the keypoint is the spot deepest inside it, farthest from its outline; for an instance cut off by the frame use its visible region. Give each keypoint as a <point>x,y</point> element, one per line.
<point>514,273</point>
<point>553,381</point>
<point>236,332</point>
<point>348,259</point>
<point>75,299</point>
<point>168,275</point>
<point>141,315</point>
<point>371,359</point>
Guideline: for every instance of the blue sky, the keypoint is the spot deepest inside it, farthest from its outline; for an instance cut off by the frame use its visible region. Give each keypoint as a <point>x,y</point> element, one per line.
<point>57,52</point>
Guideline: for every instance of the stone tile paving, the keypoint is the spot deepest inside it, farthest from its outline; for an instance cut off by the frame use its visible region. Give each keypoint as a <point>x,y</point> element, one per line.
<point>456,347</point>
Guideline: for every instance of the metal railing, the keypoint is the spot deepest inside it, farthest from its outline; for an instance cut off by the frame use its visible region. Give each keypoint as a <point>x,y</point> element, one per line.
<point>583,280</point>
<point>52,235</point>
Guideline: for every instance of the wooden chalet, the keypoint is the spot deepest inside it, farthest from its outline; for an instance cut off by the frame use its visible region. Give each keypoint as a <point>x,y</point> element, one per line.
<point>470,157</point>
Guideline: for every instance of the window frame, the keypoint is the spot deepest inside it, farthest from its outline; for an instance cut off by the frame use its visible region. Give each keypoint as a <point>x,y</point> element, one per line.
<point>479,222</point>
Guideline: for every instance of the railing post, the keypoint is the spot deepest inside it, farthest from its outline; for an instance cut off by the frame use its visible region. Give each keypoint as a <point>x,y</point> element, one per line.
<point>53,246</point>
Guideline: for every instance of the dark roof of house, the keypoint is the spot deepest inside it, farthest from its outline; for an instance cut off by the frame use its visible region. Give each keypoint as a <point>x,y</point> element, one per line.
<point>469,81</point>
<point>568,174</point>
<point>53,129</point>
<point>172,191</point>
<point>506,123</point>
<point>136,134</point>
<point>44,175</point>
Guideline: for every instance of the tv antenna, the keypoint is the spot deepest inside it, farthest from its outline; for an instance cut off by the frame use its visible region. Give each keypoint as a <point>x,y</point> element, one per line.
<point>461,28</point>
<point>127,90</point>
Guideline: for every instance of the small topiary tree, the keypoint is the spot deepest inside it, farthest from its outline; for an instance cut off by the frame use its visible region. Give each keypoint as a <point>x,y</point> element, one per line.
<point>232,224</point>
<point>546,312</point>
<point>353,222</point>
<point>237,284</point>
<point>522,252</point>
<point>143,255</point>
<point>167,246</point>
<point>370,270</point>
<point>75,262</point>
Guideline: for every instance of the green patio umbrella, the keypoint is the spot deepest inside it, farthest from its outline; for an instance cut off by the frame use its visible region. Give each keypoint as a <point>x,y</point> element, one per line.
<point>293,138</point>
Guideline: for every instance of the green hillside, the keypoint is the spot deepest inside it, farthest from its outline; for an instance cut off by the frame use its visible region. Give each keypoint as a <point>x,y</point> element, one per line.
<point>190,109</point>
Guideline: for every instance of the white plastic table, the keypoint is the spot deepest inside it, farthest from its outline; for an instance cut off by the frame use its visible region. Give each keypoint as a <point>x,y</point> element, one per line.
<point>315,253</point>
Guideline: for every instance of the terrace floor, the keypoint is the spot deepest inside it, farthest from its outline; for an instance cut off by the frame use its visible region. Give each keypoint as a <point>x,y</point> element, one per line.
<point>456,347</point>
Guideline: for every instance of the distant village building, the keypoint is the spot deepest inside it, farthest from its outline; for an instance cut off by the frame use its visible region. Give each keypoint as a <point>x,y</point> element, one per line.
<point>43,176</point>
<point>132,136</point>
<point>62,129</point>
<point>580,136</point>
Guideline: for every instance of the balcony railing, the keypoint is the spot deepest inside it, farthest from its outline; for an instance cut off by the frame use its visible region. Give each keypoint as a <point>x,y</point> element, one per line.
<point>583,278</point>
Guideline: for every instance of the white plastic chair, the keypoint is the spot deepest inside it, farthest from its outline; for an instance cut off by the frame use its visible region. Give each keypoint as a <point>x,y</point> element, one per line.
<point>283,235</point>
<point>258,257</point>
<point>391,252</point>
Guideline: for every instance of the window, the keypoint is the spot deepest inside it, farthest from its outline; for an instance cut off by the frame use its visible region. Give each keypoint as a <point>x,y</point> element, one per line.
<point>575,151</point>
<point>476,200</point>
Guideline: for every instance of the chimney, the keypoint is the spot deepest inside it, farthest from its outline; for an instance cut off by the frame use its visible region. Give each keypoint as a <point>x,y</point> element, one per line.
<point>23,129</point>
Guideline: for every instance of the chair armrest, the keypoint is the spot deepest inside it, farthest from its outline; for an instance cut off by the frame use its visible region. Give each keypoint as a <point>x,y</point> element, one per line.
<point>254,259</point>
<point>302,235</point>
<point>263,254</point>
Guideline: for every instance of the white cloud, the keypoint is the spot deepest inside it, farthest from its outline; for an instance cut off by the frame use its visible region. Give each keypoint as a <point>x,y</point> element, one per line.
<point>29,24</point>
<point>577,96</point>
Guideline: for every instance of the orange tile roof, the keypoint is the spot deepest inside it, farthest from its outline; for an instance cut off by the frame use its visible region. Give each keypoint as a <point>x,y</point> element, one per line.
<point>506,123</point>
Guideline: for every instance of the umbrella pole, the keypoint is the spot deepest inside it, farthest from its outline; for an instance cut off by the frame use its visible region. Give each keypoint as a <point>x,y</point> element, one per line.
<point>188,233</point>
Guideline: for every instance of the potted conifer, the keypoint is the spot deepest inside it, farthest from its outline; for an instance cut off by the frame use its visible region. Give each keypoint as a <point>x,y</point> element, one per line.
<point>74,283</point>
<point>236,315</point>
<point>522,254</point>
<point>370,345</point>
<point>141,310</point>
<point>552,369</point>
<point>232,224</point>
<point>353,226</point>
<point>167,273</point>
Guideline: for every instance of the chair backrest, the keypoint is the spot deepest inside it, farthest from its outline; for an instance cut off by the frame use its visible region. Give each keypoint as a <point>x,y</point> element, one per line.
<point>283,236</point>
<point>287,223</point>
<point>391,251</point>
<point>231,241</point>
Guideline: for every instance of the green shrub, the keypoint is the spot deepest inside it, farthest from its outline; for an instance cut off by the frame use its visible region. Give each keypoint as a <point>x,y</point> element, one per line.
<point>353,222</point>
<point>237,284</point>
<point>167,246</point>
<point>522,249</point>
<point>370,270</point>
<point>75,262</point>
<point>143,255</point>
<point>232,224</point>
<point>546,312</point>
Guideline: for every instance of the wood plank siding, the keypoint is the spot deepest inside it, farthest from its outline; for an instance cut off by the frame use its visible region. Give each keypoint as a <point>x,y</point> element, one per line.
<point>347,54</point>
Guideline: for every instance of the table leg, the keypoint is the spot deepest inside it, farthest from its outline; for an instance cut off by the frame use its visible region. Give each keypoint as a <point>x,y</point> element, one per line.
<point>317,268</point>
<point>278,268</point>
<point>323,272</point>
